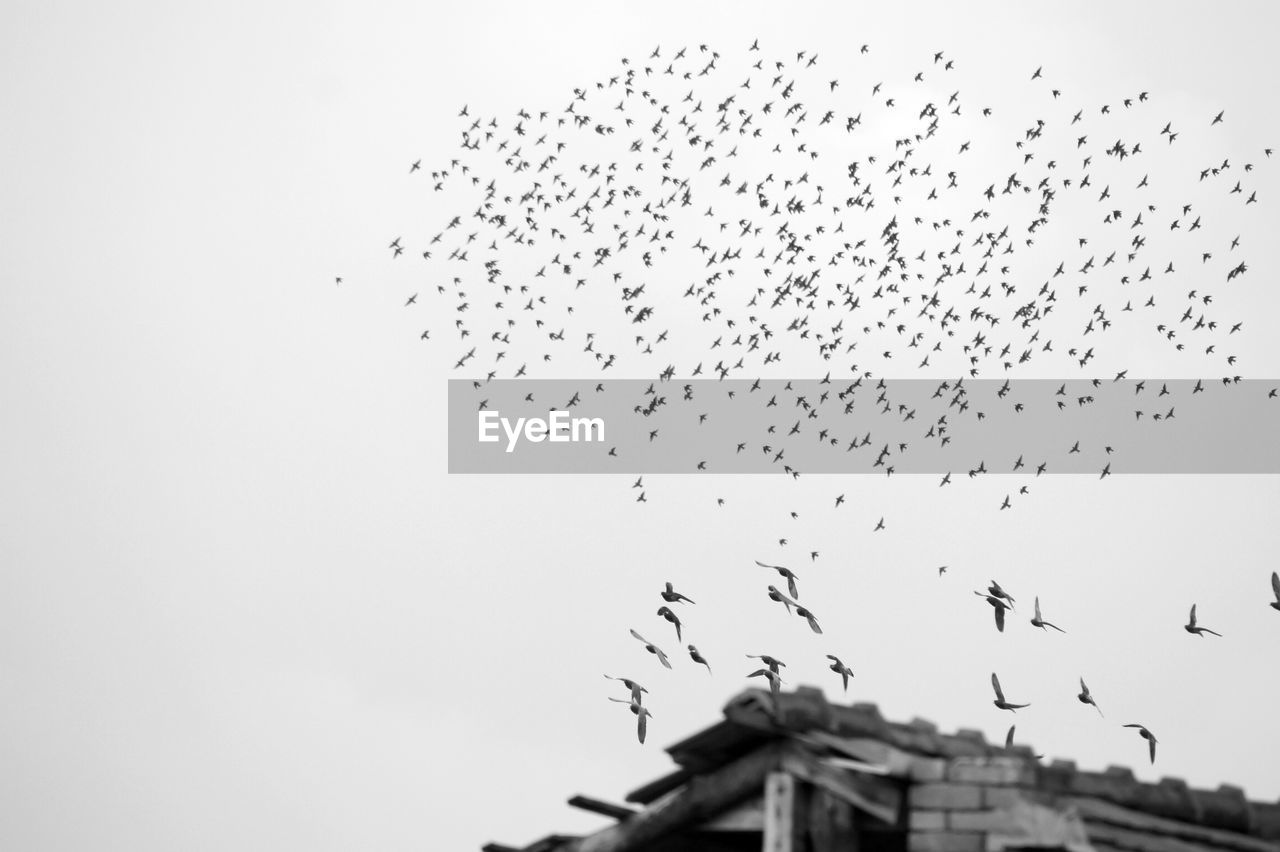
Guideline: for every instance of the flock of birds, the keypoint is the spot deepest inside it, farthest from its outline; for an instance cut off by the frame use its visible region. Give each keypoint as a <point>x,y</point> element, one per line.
<point>736,213</point>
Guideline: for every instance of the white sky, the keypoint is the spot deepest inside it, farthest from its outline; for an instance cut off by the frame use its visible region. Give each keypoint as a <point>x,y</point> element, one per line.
<point>242,606</point>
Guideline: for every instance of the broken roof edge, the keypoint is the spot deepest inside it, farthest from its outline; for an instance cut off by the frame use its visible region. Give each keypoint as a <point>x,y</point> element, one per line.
<point>755,716</point>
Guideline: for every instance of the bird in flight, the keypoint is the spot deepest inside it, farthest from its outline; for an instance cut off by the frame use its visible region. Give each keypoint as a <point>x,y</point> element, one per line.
<point>1038,621</point>
<point>642,715</point>
<point>697,657</point>
<point>636,689</point>
<point>670,595</point>
<point>665,612</point>
<point>841,669</point>
<point>771,675</point>
<point>653,649</point>
<point>788,574</point>
<point>1000,701</point>
<point>1191,626</point>
<point>1086,697</point>
<point>999,605</point>
<point>1148,736</point>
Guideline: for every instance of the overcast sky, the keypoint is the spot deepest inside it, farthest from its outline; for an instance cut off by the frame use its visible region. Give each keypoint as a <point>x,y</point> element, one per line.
<point>243,606</point>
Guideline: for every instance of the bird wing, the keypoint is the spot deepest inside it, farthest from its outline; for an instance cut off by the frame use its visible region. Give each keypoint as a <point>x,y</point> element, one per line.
<point>1000,618</point>
<point>1008,738</point>
<point>641,725</point>
<point>641,638</point>
<point>1038,618</point>
<point>1275,584</point>
<point>995,684</point>
<point>1083,688</point>
<point>662,658</point>
<point>1193,615</point>
<point>1152,743</point>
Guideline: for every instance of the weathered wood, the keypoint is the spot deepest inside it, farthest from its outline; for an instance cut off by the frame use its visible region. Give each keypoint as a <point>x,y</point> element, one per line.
<point>595,806</point>
<point>844,826</point>
<point>819,820</point>
<point>886,804</point>
<point>747,816</point>
<point>701,798</point>
<point>779,813</point>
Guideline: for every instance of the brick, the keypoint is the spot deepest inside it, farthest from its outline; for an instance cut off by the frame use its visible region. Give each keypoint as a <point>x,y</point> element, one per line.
<point>949,797</point>
<point>1001,797</point>
<point>995,770</point>
<point>983,821</point>
<point>928,769</point>
<point>944,841</point>
<point>927,820</point>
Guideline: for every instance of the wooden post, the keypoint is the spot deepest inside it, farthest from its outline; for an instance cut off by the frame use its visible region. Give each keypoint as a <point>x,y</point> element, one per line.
<point>779,812</point>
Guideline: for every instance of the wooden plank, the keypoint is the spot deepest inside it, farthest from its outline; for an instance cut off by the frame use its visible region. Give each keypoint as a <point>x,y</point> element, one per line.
<point>779,813</point>
<point>703,797</point>
<point>595,806</point>
<point>879,797</point>
<point>748,816</point>
<point>1096,810</point>
<point>818,826</point>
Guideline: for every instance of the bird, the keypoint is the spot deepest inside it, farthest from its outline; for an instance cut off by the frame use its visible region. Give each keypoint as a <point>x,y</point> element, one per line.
<point>636,689</point>
<point>1191,627</point>
<point>772,662</point>
<point>1275,590</point>
<point>775,595</point>
<point>642,715</point>
<point>670,595</point>
<point>666,613</point>
<point>998,605</point>
<point>1038,621</point>
<point>697,657</point>
<point>1148,736</point>
<point>1000,702</point>
<point>653,649</point>
<point>841,669</point>
<point>771,675</point>
<point>1086,697</point>
<point>788,574</point>
<point>808,616</point>
<point>995,590</point>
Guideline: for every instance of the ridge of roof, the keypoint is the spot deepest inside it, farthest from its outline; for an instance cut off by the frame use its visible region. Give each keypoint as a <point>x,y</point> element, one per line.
<point>754,716</point>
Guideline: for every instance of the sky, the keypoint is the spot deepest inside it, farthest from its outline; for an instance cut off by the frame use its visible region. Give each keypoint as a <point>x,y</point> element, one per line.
<point>244,606</point>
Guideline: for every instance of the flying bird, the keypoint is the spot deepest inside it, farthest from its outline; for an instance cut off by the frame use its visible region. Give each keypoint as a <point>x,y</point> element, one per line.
<point>841,669</point>
<point>653,649</point>
<point>1149,737</point>
<point>1038,621</point>
<point>1086,697</point>
<point>1191,626</point>
<point>1000,702</point>
<point>788,574</point>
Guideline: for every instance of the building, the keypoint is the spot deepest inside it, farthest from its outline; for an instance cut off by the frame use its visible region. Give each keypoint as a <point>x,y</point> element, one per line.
<point>798,774</point>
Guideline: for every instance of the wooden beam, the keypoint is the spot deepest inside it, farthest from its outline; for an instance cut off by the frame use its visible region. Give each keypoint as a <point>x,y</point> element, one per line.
<point>879,797</point>
<point>595,806</point>
<point>701,798</point>
<point>780,815</point>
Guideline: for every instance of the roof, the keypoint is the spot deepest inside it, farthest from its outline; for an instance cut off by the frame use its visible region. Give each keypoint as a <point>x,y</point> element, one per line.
<point>1118,812</point>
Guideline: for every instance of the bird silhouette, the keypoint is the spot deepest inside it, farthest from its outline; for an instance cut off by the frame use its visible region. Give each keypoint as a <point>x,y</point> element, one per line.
<point>653,649</point>
<point>1085,697</point>
<point>1000,702</point>
<point>1038,621</point>
<point>1148,736</point>
<point>786,573</point>
<point>841,669</point>
<point>1191,626</point>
